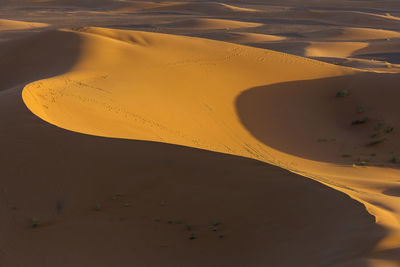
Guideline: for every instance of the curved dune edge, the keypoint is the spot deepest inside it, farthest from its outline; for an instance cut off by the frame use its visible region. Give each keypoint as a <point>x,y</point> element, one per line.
<point>107,94</point>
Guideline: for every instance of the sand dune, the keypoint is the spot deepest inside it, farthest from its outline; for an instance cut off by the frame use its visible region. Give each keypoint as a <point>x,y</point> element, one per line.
<point>203,7</point>
<point>384,51</point>
<point>144,5</point>
<point>92,4</point>
<point>333,49</point>
<point>11,25</point>
<point>94,99</point>
<point>211,24</point>
<point>242,37</point>
<point>169,55</point>
<point>184,186</point>
<point>352,34</point>
<point>350,18</point>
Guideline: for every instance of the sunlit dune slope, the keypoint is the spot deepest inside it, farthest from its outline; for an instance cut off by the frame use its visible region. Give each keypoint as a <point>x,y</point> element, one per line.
<point>8,25</point>
<point>119,73</point>
<point>199,93</point>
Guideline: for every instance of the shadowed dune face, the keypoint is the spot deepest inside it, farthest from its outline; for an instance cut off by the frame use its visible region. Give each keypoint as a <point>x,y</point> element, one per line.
<point>24,61</point>
<point>313,123</point>
<point>266,213</point>
<point>382,51</point>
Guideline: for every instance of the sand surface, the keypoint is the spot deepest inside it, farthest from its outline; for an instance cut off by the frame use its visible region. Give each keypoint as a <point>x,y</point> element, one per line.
<point>199,133</point>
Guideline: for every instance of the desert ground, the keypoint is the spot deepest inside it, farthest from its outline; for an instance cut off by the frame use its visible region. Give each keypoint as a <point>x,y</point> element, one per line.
<point>199,133</point>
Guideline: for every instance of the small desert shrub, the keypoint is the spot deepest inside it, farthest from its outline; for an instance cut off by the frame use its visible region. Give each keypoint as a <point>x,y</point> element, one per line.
<point>343,93</point>
<point>188,226</point>
<point>192,236</point>
<point>34,222</point>
<point>376,142</point>
<point>59,207</point>
<point>346,156</point>
<point>395,159</point>
<point>378,126</point>
<point>363,120</point>
<point>389,129</point>
<point>216,222</point>
<point>97,207</point>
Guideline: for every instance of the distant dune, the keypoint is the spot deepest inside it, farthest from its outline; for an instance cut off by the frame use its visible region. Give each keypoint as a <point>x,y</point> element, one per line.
<point>243,37</point>
<point>333,49</point>
<point>203,7</point>
<point>209,24</point>
<point>10,25</point>
<point>353,34</point>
